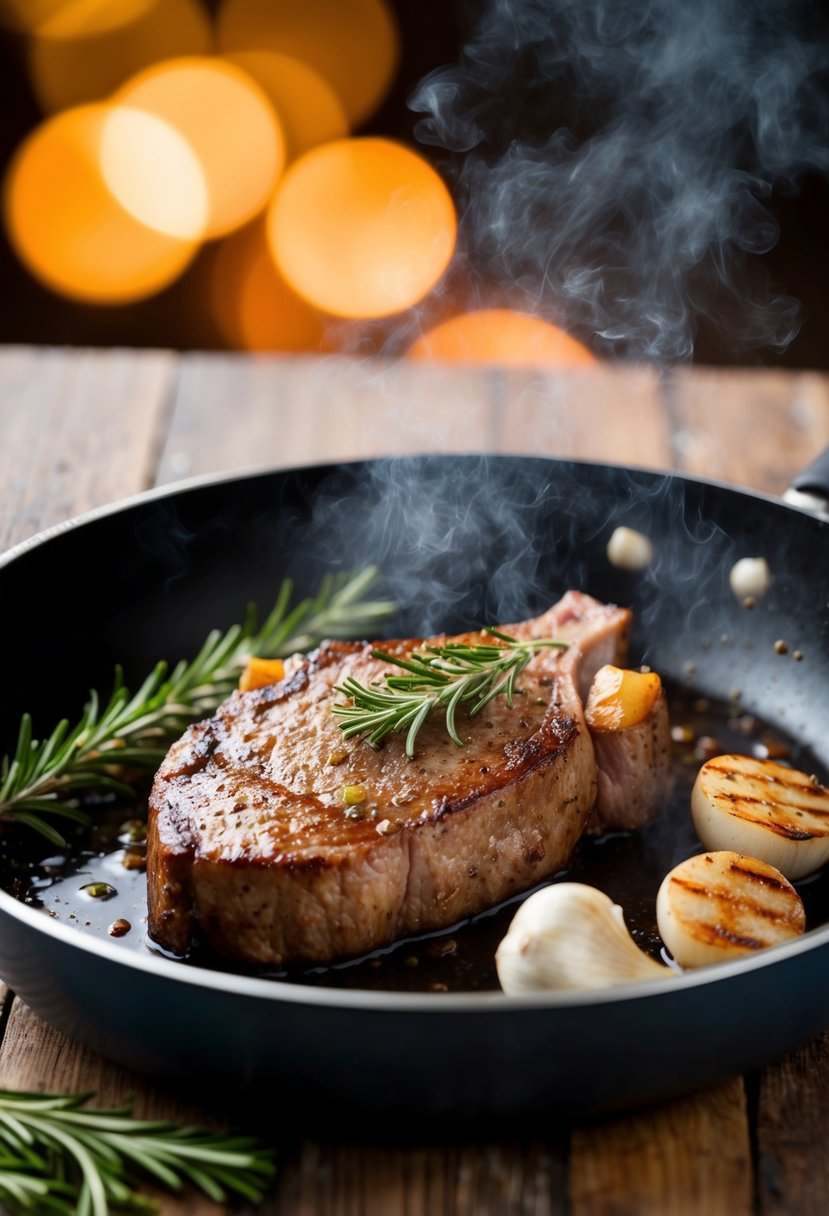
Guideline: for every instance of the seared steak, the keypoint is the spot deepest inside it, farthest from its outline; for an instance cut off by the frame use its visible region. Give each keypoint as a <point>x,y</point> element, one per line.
<point>253,846</point>
<point>634,771</point>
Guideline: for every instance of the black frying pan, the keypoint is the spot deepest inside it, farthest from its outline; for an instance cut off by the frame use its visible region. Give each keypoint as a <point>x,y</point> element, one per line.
<point>461,540</point>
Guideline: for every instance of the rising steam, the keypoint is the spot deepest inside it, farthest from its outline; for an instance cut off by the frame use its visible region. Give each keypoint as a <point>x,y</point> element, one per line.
<point>611,159</point>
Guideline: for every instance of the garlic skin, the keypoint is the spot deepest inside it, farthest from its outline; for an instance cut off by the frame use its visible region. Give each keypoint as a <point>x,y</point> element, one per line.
<point>567,937</point>
<point>629,549</point>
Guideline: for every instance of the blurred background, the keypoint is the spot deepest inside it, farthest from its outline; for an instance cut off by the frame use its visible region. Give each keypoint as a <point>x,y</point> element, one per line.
<point>538,181</point>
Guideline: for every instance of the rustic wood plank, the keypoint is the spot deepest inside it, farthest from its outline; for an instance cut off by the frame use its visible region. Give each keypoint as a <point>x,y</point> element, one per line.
<point>35,1056</point>
<point>80,428</point>
<point>749,428</point>
<point>692,1155</point>
<point>610,415</point>
<point>233,412</point>
<point>792,1133</point>
<point>507,1178</point>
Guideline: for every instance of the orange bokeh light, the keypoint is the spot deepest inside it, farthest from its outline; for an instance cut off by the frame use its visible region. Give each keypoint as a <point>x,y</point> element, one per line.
<point>86,50</point>
<point>310,111</point>
<point>353,44</point>
<point>362,227</point>
<point>500,335</point>
<point>229,123</point>
<point>70,18</point>
<point>154,173</point>
<point>252,304</point>
<point>67,226</point>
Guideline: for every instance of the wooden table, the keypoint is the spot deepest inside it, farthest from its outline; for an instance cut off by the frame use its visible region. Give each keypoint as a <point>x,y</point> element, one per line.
<point>81,428</point>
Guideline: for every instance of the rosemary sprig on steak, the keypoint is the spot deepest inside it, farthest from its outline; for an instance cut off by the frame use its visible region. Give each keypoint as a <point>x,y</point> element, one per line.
<point>58,1156</point>
<point>42,779</point>
<point>438,678</point>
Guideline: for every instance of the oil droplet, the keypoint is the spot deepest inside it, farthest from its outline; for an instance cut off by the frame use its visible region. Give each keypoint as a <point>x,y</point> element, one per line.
<point>99,890</point>
<point>134,858</point>
<point>440,949</point>
<point>132,831</point>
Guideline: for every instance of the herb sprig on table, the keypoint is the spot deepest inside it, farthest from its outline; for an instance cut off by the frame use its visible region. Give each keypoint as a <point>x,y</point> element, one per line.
<point>57,1156</point>
<point>438,678</point>
<point>42,779</point>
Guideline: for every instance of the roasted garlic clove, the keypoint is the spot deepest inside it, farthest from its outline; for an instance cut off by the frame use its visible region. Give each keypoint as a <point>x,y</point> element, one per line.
<point>765,810</point>
<point>571,936</point>
<point>620,699</point>
<point>717,906</point>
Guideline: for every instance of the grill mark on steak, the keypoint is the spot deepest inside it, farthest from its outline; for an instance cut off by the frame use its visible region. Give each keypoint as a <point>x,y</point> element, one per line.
<point>248,832</point>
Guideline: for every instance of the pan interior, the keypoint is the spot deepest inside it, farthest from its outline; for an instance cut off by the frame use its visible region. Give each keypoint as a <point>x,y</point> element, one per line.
<point>460,541</point>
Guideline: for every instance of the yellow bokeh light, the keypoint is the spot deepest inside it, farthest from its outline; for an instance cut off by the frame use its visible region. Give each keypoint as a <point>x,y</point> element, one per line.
<point>88,58</point>
<point>500,335</point>
<point>310,111</point>
<point>252,304</point>
<point>353,44</point>
<point>67,226</point>
<point>154,173</point>
<point>362,227</point>
<point>228,122</point>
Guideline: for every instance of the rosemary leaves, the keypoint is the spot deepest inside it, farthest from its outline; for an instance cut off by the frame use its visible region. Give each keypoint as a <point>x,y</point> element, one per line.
<point>42,779</point>
<point>438,678</point>
<point>58,1156</point>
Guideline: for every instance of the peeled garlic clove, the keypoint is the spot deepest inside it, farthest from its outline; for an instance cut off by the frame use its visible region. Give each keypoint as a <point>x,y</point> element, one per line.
<point>765,810</point>
<point>629,549</point>
<point>719,906</point>
<point>571,936</point>
<point>750,576</point>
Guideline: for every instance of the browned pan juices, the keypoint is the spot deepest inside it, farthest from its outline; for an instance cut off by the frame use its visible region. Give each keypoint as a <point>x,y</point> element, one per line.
<point>100,884</point>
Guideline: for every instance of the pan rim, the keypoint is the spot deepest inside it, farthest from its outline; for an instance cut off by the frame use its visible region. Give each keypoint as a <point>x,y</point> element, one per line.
<point>205,480</point>
<point>233,984</point>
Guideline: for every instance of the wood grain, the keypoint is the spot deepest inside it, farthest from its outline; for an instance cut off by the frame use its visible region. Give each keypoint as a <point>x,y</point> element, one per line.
<point>512,1178</point>
<point>614,416</point>
<point>792,1133</point>
<point>80,429</point>
<point>231,413</point>
<point>685,1157</point>
<point>748,428</point>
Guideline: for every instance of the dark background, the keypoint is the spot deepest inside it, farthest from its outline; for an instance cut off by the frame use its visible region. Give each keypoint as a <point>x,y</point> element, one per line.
<point>431,33</point>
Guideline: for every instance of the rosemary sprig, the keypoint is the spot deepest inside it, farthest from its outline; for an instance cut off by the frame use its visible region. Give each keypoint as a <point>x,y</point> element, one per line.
<point>57,1156</point>
<point>44,777</point>
<point>439,677</point>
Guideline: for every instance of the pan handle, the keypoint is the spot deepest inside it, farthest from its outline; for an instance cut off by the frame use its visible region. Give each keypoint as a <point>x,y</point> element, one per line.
<point>810,489</point>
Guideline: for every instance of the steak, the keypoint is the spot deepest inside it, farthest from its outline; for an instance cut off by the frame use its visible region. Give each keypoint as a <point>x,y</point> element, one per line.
<point>253,847</point>
<point>634,771</point>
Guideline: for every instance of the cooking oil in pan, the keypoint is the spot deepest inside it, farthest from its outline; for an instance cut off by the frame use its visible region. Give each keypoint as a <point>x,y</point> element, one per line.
<point>99,884</point>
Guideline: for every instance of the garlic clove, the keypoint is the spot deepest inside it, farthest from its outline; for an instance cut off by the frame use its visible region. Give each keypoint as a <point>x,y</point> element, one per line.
<point>750,576</point>
<point>620,699</point>
<point>629,549</point>
<point>764,810</point>
<point>718,906</point>
<point>571,936</point>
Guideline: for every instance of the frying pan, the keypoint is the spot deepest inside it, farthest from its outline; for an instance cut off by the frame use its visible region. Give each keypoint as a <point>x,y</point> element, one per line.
<point>461,540</point>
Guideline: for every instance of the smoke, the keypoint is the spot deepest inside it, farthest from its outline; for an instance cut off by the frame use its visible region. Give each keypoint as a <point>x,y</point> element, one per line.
<point>613,161</point>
